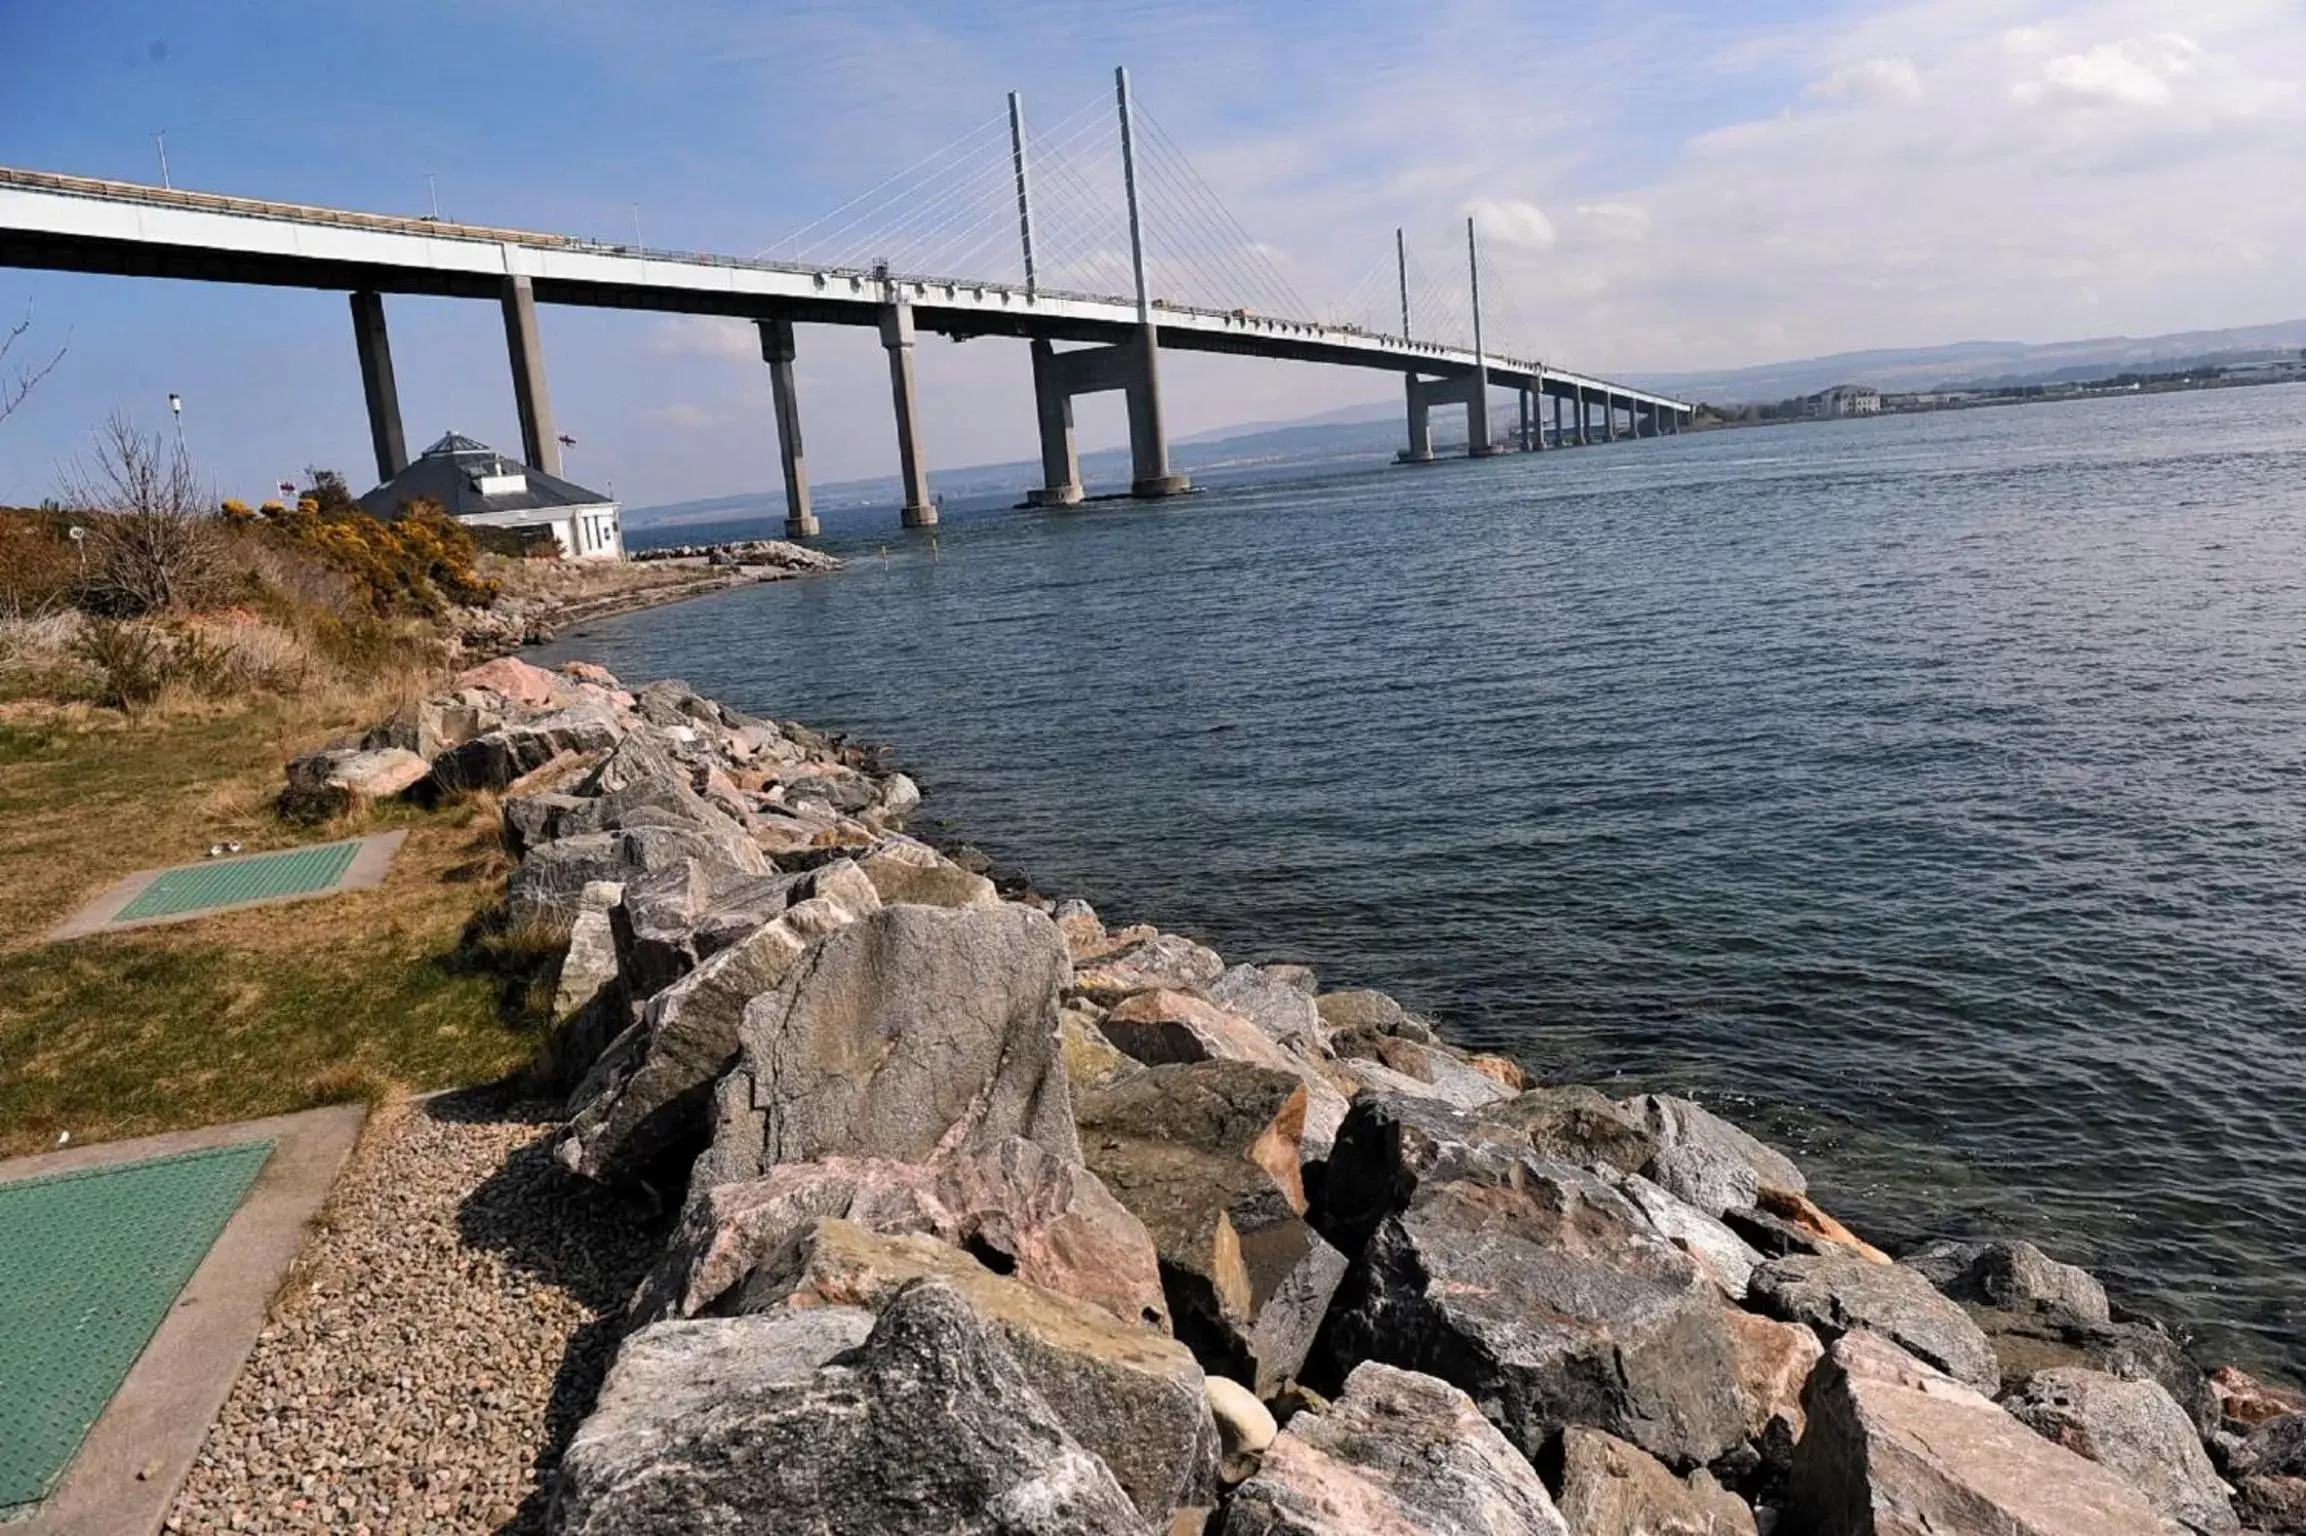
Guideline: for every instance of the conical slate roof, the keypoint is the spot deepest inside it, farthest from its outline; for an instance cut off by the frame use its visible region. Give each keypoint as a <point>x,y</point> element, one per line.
<point>451,472</point>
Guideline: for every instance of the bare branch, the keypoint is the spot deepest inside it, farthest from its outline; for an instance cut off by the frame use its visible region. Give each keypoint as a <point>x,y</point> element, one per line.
<point>16,386</point>
<point>155,543</point>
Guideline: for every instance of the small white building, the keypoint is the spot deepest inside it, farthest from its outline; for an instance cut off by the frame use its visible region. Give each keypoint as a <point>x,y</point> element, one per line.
<point>1844,400</point>
<point>482,488</point>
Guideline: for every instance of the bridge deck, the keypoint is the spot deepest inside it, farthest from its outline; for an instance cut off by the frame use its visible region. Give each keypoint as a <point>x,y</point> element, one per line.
<point>80,224</point>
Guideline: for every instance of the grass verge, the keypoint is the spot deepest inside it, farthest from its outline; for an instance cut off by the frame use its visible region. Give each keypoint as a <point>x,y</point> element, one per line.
<point>258,1012</point>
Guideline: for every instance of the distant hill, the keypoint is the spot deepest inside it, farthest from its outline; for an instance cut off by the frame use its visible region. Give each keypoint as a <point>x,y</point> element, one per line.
<point>1985,364</point>
<point>1376,430</point>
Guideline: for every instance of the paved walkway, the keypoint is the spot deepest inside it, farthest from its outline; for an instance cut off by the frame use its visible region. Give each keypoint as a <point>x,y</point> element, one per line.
<point>129,1466</point>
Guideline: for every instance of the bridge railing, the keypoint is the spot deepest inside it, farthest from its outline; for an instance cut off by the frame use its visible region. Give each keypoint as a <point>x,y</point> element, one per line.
<point>308,213</point>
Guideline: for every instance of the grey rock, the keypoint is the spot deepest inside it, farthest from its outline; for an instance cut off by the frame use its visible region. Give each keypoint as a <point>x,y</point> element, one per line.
<point>2028,1342</point>
<point>1835,1293</point>
<point>1362,1010</point>
<point>899,797</point>
<point>928,1424</point>
<point>1707,1161</point>
<point>2136,1430</point>
<point>1206,1155</point>
<point>1391,1145</point>
<point>1578,1126</point>
<point>550,881</point>
<point>903,870</point>
<point>2012,1277</point>
<point>1398,1454</point>
<point>538,818</point>
<point>1610,1488</point>
<point>1721,1254</point>
<point>1552,1303</point>
<point>643,1108</point>
<point>1286,1014</point>
<point>334,780</point>
<point>1156,960</point>
<point>496,758</point>
<point>1129,1394</point>
<point>914,1031</point>
<point>1299,977</point>
<point>1893,1445</point>
<point>1044,1222</point>
<point>637,759</point>
<point>1390,1064</point>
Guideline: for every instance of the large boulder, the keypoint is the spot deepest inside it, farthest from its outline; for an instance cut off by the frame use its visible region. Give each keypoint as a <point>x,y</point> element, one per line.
<point>334,781</point>
<point>2136,1430</point>
<point>1147,961</point>
<point>903,870</point>
<point>1163,1027</point>
<point>2012,1277</point>
<point>1551,1301</point>
<point>1391,1145</point>
<point>1360,1010</point>
<point>1019,1210</point>
<point>1895,1446</point>
<point>2269,1472</point>
<point>913,1032</point>
<point>1837,1292</point>
<point>1398,1454</point>
<point>1773,1362</point>
<point>1610,1488</point>
<point>514,680</point>
<point>1282,1011</point>
<point>1206,1155</point>
<point>497,757</point>
<point>1577,1126</point>
<point>2031,1341</point>
<point>1128,1393</point>
<point>1721,1254</point>
<point>1707,1161</point>
<point>1444,1074</point>
<point>641,1111</point>
<point>776,1423</point>
<point>549,884</point>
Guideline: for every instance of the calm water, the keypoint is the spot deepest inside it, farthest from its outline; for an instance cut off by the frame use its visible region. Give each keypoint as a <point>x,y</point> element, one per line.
<point>1928,790</point>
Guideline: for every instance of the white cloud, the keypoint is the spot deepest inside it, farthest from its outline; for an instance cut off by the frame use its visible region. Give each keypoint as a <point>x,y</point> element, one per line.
<point>707,336</point>
<point>1620,223</point>
<point>1872,80</point>
<point>2131,72</point>
<point>680,414</point>
<point>1513,222</point>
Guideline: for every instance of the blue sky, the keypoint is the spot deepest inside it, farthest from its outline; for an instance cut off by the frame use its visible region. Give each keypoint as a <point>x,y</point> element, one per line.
<point>1662,189</point>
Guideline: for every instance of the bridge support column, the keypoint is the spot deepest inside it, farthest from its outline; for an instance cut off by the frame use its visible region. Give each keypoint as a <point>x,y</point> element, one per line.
<point>1609,418</point>
<point>1060,459</point>
<point>1134,368</point>
<point>1559,441</point>
<point>1469,390</point>
<point>777,351</point>
<point>1148,439</point>
<point>1420,449</point>
<point>919,511</point>
<point>1527,445</point>
<point>1584,414</point>
<point>538,445</point>
<point>376,383</point>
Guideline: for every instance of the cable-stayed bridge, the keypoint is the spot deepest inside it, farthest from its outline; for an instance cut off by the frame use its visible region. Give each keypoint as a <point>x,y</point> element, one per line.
<point>1094,232</point>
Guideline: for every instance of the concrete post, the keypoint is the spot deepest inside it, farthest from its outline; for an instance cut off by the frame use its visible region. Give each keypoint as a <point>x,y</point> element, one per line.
<point>1060,460</point>
<point>376,383</point>
<point>1525,414</point>
<point>777,351</point>
<point>919,510</point>
<point>1608,418</point>
<point>538,445</point>
<point>1148,440</point>
<point>1559,441</point>
<point>1420,449</point>
<point>1584,418</point>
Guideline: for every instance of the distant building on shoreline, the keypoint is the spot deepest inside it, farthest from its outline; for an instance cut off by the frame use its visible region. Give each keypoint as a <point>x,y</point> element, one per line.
<point>482,488</point>
<point>1843,400</point>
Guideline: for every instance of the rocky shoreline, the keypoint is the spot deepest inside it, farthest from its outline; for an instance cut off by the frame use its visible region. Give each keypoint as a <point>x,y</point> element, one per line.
<point>988,1218</point>
<point>689,570</point>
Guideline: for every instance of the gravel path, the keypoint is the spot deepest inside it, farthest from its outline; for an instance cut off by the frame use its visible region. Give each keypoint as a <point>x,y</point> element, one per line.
<point>461,1304</point>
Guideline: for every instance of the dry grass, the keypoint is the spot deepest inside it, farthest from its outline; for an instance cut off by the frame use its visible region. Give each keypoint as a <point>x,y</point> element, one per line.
<point>245,1013</point>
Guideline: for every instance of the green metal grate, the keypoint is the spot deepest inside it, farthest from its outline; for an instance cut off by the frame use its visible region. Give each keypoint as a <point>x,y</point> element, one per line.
<point>195,886</point>
<point>90,1263</point>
